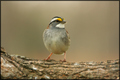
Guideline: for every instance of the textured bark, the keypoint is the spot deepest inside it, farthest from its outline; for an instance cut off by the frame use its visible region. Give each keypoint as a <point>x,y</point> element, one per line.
<point>21,67</point>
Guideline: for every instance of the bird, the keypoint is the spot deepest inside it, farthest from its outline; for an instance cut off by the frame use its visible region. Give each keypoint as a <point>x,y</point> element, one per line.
<point>56,38</point>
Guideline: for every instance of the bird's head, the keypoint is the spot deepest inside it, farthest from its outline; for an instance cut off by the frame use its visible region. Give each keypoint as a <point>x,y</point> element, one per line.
<point>57,22</point>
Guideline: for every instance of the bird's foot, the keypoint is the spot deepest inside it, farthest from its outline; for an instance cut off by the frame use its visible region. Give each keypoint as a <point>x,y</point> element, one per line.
<point>47,59</point>
<point>63,60</point>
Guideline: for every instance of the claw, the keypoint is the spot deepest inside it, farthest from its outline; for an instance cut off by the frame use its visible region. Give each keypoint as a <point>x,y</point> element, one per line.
<point>48,57</point>
<point>63,60</point>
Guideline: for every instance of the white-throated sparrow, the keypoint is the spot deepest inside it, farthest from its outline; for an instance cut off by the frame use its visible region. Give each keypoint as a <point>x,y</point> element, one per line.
<point>56,37</point>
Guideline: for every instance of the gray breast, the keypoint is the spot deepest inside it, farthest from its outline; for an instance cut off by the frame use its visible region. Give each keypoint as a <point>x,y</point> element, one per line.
<point>56,40</point>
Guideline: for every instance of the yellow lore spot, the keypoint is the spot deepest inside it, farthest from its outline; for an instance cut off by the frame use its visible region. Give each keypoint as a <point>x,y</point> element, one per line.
<point>59,19</point>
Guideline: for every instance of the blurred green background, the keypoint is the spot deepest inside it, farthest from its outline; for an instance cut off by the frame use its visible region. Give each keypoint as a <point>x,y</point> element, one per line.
<point>93,27</point>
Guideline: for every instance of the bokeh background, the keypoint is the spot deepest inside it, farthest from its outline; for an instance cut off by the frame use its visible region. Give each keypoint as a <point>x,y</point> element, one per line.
<point>93,27</point>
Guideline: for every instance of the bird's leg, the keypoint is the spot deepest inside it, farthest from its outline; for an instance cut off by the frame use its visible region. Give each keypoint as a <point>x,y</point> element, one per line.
<point>64,60</point>
<point>48,57</point>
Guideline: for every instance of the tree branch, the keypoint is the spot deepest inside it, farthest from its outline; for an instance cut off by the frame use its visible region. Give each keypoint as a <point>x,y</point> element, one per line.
<point>21,67</point>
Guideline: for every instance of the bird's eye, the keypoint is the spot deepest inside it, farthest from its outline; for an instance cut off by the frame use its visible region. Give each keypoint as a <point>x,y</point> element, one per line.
<point>57,21</point>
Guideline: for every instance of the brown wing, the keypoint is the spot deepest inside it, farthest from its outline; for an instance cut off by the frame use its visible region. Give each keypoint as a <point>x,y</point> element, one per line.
<point>68,34</point>
<point>48,27</point>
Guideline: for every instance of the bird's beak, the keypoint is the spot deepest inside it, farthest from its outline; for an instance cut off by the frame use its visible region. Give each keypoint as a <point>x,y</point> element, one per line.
<point>63,22</point>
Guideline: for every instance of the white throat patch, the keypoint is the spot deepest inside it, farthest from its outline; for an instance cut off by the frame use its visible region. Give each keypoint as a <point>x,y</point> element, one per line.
<point>60,25</point>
